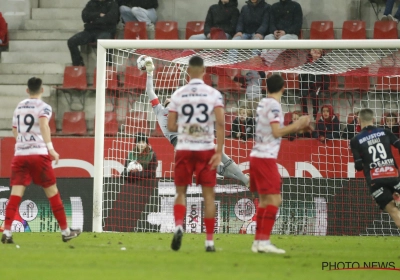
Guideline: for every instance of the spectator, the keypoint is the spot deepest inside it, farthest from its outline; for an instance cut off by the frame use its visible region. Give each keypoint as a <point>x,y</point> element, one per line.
<point>223,15</point>
<point>139,10</point>
<point>3,29</point>
<point>328,126</point>
<point>100,18</point>
<point>387,14</point>
<point>243,125</point>
<point>286,20</point>
<point>253,21</point>
<point>141,162</point>
<point>390,122</point>
<point>312,85</point>
<point>300,134</point>
<point>352,128</point>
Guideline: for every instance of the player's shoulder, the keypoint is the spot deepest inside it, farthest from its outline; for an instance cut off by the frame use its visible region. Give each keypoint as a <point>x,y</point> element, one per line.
<point>270,102</point>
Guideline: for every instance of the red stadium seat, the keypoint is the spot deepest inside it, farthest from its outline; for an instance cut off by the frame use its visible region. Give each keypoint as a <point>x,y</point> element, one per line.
<point>52,124</point>
<point>229,118</point>
<point>135,79</point>
<point>357,80</point>
<point>385,30</point>
<point>322,30</point>
<point>354,29</point>
<point>166,78</point>
<point>110,124</point>
<point>287,118</point>
<point>217,34</point>
<point>137,121</point>
<point>194,28</point>
<point>226,84</point>
<point>291,80</point>
<point>388,79</point>
<point>111,78</point>
<point>74,123</point>
<point>6,39</point>
<point>135,30</point>
<point>74,78</point>
<point>166,30</point>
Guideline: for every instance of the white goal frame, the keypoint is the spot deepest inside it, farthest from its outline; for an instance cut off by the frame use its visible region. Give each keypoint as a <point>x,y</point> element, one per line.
<point>103,45</point>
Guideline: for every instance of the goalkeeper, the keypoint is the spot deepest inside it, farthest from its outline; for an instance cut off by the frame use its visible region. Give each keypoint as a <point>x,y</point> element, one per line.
<point>229,168</point>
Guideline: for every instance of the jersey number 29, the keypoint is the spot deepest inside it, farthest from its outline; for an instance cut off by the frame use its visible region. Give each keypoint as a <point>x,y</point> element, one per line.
<point>379,150</point>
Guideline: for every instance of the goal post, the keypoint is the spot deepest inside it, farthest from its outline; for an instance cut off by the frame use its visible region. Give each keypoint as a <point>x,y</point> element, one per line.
<point>319,182</point>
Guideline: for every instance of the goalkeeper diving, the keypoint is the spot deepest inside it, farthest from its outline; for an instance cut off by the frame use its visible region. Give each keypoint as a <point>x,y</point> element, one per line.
<point>228,168</point>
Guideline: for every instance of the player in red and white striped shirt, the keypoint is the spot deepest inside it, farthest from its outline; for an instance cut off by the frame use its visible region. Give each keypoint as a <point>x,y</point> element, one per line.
<point>32,159</point>
<point>264,174</point>
<point>194,110</point>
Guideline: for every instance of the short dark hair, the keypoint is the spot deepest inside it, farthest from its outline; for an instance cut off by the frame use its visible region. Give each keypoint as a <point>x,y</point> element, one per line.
<point>196,61</point>
<point>275,83</point>
<point>34,85</point>
<point>366,115</point>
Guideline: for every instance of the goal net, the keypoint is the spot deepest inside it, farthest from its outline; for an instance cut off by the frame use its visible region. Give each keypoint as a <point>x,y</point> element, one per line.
<point>322,193</point>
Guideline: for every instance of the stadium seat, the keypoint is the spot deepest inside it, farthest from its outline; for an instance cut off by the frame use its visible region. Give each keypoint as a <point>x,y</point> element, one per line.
<point>217,34</point>
<point>322,30</point>
<point>388,79</point>
<point>354,29</point>
<point>166,78</point>
<point>135,30</point>
<point>135,79</point>
<point>194,28</point>
<point>166,30</point>
<point>110,124</point>
<point>229,118</point>
<point>137,121</point>
<point>356,81</point>
<point>111,78</point>
<point>385,30</point>
<point>74,123</point>
<point>52,124</point>
<point>291,80</point>
<point>287,118</point>
<point>74,78</point>
<point>6,40</point>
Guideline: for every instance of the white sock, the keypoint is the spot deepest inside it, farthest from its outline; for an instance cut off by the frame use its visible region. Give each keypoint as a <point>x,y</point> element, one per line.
<point>66,232</point>
<point>7,233</point>
<point>209,243</point>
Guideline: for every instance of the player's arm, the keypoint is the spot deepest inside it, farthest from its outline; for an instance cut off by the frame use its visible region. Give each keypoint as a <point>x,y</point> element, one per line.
<point>15,132</point>
<point>172,124</point>
<point>45,131</point>
<point>278,131</point>
<point>358,163</point>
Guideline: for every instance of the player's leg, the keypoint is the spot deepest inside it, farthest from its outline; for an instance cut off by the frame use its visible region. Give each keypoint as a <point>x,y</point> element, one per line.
<point>231,170</point>
<point>17,191</point>
<point>209,217</point>
<point>394,213</point>
<point>384,198</point>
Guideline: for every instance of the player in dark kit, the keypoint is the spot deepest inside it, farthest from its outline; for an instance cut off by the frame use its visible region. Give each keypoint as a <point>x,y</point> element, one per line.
<point>372,153</point>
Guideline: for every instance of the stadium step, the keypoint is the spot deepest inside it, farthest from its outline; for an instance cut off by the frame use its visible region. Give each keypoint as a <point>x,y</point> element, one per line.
<point>35,57</point>
<point>62,3</point>
<point>38,69</point>
<point>12,79</point>
<point>38,46</point>
<point>57,13</point>
<point>42,34</point>
<point>19,91</point>
<point>6,124</point>
<point>50,24</point>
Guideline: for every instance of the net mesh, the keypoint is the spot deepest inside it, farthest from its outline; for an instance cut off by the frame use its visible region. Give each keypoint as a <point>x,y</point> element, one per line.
<point>322,193</point>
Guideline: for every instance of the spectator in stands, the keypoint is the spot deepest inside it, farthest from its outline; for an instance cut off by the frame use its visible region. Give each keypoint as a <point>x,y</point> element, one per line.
<point>139,10</point>
<point>243,126</point>
<point>301,133</point>
<point>312,85</point>
<point>253,21</point>
<point>141,162</point>
<point>223,15</point>
<point>387,14</point>
<point>391,122</point>
<point>328,126</point>
<point>352,128</point>
<point>3,29</point>
<point>100,18</point>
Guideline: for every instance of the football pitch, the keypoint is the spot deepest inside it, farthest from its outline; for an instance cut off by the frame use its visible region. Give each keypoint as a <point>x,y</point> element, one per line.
<point>148,256</point>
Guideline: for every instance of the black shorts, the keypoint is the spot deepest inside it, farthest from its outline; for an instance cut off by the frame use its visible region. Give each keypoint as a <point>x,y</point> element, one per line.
<point>382,190</point>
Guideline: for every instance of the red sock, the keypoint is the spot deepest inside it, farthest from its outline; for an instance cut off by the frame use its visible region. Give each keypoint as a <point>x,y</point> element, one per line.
<point>268,221</point>
<point>58,210</point>
<point>259,223</point>
<point>209,223</point>
<point>179,214</point>
<point>11,208</point>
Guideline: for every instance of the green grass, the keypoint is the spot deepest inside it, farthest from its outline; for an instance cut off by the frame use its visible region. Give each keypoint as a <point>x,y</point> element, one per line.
<point>148,256</point>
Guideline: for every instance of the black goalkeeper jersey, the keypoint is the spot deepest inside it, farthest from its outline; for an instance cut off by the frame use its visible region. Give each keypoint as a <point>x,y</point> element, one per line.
<point>372,153</point>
